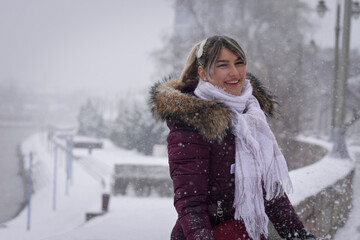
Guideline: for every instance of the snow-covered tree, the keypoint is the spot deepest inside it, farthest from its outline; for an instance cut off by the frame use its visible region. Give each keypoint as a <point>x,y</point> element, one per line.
<point>135,128</point>
<point>90,121</point>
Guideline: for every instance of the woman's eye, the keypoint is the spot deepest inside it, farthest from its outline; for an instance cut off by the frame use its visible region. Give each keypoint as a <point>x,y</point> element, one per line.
<point>239,63</point>
<point>222,65</point>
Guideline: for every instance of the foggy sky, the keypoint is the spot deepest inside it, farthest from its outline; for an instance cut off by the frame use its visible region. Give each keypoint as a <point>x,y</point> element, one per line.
<point>91,46</point>
<point>98,46</point>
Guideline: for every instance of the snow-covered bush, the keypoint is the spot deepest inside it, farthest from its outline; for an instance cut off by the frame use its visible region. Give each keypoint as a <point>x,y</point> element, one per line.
<point>135,128</point>
<point>90,121</point>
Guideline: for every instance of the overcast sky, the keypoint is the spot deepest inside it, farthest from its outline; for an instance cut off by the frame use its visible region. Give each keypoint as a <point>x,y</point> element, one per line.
<point>98,46</point>
<point>93,45</point>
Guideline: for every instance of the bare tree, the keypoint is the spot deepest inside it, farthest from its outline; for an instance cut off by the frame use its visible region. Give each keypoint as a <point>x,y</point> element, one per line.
<point>297,71</point>
<point>353,100</point>
<point>272,40</point>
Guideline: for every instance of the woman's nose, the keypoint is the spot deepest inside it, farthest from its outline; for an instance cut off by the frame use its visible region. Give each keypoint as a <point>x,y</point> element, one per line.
<point>233,71</point>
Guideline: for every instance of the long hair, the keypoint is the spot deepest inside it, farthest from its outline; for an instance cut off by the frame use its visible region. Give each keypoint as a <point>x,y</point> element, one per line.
<point>206,54</point>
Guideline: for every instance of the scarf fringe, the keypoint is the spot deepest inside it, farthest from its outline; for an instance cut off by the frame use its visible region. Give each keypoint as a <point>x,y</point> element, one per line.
<point>259,162</point>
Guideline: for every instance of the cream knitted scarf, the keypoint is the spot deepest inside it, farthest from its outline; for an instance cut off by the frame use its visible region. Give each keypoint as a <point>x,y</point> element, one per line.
<point>259,164</point>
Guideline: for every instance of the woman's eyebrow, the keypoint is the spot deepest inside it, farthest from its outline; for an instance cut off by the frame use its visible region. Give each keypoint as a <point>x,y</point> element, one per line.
<point>222,61</point>
<point>226,61</point>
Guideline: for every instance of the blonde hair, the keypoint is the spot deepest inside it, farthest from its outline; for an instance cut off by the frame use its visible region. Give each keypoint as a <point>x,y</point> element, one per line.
<point>206,54</point>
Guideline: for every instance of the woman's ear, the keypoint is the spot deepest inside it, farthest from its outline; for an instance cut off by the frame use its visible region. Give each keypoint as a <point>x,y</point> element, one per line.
<point>201,72</point>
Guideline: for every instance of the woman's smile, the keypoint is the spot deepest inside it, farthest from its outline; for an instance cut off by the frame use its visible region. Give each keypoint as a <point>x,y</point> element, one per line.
<point>229,72</point>
<point>233,83</point>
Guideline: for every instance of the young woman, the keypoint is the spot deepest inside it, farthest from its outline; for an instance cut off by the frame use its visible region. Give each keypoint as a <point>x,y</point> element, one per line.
<point>224,160</point>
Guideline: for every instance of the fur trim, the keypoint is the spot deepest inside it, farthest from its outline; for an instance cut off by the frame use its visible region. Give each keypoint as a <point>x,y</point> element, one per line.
<point>210,118</point>
<point>267,101</point>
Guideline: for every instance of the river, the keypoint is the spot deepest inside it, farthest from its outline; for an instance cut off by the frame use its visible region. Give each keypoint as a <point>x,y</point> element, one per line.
<point>12,191</point>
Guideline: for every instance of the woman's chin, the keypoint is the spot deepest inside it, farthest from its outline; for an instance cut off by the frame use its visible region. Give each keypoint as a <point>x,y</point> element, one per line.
<point>234,90</point>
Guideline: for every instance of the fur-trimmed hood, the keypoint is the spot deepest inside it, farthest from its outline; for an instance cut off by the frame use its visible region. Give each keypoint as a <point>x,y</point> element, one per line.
<point>173,100</point>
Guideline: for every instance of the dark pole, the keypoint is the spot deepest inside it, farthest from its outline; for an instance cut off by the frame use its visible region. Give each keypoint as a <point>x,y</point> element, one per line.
<point>30,189</point>
<point>339,147</point>
<point>336,71</point>
<point>55,176</point>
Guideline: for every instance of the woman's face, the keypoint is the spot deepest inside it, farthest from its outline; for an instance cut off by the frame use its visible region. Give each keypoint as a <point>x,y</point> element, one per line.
<point>229,74</point>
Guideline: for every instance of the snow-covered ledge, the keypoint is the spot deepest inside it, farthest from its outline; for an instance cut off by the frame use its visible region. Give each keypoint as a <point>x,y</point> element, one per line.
<point>322,192</point>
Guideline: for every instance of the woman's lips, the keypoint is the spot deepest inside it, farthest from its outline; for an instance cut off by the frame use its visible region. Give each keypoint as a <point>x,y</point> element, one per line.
<point>233,83</point>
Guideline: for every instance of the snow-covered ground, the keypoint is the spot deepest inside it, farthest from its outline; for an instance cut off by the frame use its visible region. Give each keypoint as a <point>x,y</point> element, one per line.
<point>135,218</point>
<point>129,217</point>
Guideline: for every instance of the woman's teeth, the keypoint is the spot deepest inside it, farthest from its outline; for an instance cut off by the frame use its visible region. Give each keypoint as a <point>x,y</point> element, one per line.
<point>232,82</point>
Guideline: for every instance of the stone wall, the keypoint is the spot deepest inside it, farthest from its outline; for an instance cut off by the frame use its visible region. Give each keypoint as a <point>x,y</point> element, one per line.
<point>324,213</point>
<point>299,154</point>
<point>142,180</point>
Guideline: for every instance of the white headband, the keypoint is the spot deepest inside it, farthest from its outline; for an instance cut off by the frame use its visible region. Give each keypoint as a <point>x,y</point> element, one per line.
<point>201,48</point>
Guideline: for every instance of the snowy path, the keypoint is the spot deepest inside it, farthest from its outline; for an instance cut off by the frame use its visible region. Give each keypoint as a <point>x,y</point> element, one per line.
<point>70,209</point>
<point>351,230</point>
<point>129,217</point>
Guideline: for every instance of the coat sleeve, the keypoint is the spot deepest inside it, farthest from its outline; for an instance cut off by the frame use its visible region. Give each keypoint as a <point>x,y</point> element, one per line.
<point>284,218</point>
<point>189,160</point>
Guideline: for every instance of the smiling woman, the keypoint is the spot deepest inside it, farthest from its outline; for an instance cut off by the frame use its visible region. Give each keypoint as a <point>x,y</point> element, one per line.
<point>228,173</point>
<point>228,74</point>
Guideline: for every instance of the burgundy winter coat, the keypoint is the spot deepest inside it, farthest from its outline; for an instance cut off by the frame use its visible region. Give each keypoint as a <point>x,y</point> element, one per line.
<point>201,151</point>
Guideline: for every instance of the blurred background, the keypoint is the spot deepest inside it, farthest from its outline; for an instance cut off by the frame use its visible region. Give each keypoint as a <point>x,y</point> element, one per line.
<point>56,54</point>
<point>87,65</point>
